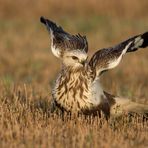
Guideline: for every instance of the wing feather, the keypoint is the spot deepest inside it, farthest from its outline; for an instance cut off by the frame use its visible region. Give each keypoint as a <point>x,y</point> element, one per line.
<point>109,58</point>
<point>61,40</point>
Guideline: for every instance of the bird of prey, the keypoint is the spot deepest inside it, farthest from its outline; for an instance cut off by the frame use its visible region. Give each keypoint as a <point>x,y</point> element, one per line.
<point>77,88</point>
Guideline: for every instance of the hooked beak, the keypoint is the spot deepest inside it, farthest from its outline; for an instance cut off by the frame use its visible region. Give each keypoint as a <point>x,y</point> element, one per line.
<point>83,63</point>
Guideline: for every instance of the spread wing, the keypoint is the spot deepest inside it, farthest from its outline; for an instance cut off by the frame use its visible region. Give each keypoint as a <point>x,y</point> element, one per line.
<point>109,58</point>
<point>61,40</point>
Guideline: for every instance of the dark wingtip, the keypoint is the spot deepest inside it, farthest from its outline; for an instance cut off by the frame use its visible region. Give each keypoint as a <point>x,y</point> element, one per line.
<point>50,25</point>
<point>42,20</point>
<point>145,37</point>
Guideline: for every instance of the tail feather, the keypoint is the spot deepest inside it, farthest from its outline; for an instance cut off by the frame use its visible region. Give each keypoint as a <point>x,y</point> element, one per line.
<point>123,106</point>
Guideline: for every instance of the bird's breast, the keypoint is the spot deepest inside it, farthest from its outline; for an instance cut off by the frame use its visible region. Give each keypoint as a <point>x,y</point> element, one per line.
<point>77,92</point>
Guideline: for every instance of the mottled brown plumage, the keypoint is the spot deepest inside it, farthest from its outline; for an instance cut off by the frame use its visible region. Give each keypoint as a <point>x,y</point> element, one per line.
<point>77,88</point>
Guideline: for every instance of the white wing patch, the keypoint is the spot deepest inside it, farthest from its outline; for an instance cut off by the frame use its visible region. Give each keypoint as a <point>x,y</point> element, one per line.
<point>55,51</point>
<point>115,62</point>
<point>138,42</point>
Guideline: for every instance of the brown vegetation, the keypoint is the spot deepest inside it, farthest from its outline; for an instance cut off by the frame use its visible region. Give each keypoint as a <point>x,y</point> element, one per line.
<point>28,68</point>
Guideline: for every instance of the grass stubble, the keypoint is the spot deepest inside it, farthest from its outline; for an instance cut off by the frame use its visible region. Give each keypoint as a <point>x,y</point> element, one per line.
<point>26,122</point>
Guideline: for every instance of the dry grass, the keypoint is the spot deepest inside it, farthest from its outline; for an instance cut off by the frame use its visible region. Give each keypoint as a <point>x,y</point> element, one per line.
<point>27,71</point>
<point>25,122</point>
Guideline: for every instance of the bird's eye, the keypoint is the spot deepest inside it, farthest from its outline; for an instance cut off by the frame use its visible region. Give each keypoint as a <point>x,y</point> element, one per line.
<point>74,58</point>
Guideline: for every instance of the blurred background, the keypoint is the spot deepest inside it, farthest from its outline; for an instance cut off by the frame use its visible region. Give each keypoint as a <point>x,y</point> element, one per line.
<point>25,56</point>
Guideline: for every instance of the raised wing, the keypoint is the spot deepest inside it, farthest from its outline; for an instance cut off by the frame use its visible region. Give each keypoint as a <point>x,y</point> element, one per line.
<point>61,40</point>
<point>109,58</point>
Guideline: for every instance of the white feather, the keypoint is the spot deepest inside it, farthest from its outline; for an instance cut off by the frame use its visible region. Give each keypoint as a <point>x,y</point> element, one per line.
<point>138,42</point>
<point>115,62</point>
<point>55,51</point>
<point>96,92</point>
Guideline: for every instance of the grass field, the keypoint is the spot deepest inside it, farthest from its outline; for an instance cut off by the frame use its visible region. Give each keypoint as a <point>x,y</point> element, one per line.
<point>28,70</point>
